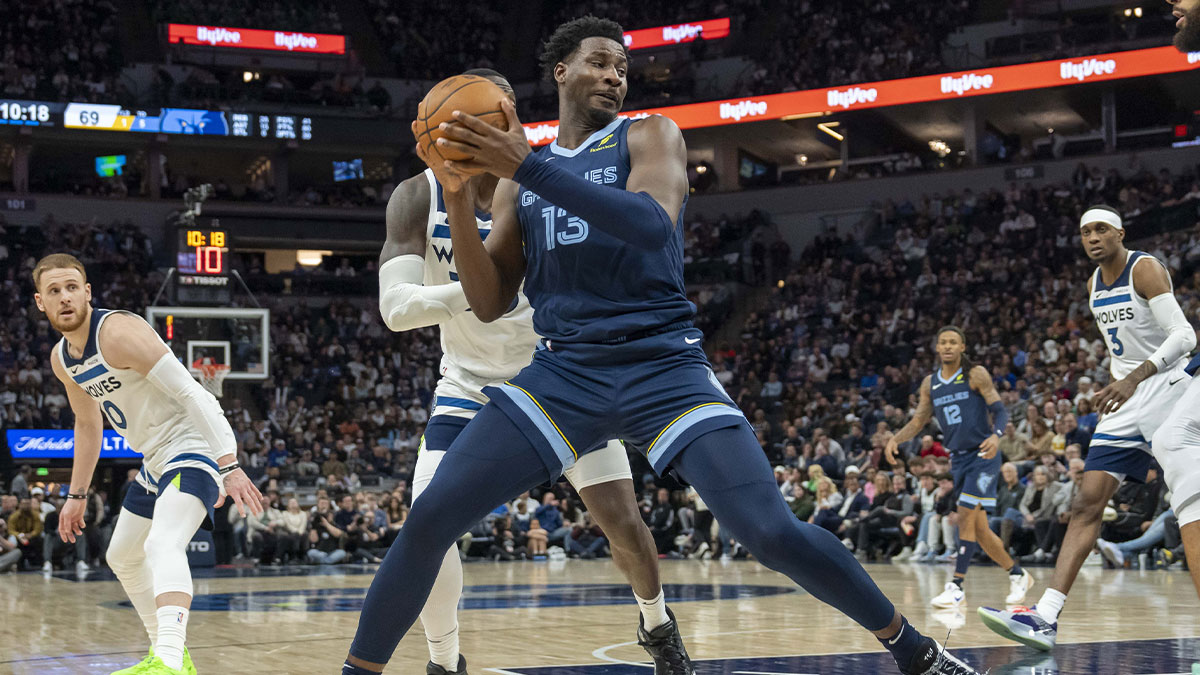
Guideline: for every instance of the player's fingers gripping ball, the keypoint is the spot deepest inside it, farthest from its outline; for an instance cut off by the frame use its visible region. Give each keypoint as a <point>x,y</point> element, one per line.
<point>471,94</point>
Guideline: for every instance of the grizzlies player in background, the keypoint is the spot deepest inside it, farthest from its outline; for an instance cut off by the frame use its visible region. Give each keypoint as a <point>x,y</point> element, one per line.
<point>113,364</point>
<point>418,286</point>
<point>590,225</point>
<point>1148,338</point>
<point>1188,13</point>
<point>961,396</point>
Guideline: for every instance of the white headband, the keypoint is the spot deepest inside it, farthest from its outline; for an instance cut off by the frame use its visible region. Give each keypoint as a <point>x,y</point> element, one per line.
<point>1101,216</point>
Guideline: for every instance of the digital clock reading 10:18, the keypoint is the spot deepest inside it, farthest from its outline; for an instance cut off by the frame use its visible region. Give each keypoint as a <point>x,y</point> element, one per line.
<point>24,111</point>
<point>202,252</point>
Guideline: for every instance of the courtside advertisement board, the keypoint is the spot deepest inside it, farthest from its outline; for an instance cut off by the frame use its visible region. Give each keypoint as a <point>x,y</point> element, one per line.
<point>60,444</point>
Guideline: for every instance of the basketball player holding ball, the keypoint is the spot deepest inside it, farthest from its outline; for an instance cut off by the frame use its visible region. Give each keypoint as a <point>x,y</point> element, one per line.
<point>418,287</point>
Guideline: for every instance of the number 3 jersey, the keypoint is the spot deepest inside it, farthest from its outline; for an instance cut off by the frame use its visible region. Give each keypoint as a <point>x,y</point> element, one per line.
<point>152,424</point>
<point>1125,320</point>
<point>588,286</point>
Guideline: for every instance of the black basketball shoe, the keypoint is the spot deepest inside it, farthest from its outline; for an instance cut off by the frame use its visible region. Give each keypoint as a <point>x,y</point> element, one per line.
<point>665,646</point>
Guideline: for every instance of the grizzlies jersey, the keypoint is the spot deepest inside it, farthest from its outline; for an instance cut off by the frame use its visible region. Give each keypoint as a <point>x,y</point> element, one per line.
<point>1125,320</point>
<point>961,412</point>
<point>587,286</point>
<point>471,349</point>
<point>152,424</point>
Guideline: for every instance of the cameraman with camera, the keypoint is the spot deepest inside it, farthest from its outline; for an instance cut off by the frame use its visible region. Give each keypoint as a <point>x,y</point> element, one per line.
<point>324,536</point>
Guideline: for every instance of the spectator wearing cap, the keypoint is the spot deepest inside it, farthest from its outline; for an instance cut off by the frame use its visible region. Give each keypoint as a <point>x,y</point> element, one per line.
<point>278,454</point>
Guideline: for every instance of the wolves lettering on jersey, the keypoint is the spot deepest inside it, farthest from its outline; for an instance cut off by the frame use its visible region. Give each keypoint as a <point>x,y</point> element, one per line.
<point>961,411</point>
<point>153,425</point>
<point>472,350</point>
<point>586,285</point>
<point>1125,320</point>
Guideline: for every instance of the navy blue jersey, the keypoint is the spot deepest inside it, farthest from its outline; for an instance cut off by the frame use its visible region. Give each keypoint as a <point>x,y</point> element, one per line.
<point>961,412</point>
<point>586,285</point>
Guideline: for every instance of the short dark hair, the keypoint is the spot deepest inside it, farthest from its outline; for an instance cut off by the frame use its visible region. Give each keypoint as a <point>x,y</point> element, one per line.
<point>952,329</point>
<point>485,72</point>
<point>567,38</point>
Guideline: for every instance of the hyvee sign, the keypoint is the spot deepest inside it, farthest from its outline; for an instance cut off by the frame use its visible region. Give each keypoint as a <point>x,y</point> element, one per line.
<point>249,38</point>
<point>979,82</point>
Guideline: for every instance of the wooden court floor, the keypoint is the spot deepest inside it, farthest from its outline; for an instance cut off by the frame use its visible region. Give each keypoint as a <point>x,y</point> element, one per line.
<point>575,618</point>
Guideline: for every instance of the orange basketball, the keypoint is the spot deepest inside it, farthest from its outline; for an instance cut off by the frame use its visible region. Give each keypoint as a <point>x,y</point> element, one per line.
<point>471,94</point>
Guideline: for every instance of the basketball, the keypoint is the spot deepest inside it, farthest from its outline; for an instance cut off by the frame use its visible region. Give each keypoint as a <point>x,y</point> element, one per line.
<point>471,94</point>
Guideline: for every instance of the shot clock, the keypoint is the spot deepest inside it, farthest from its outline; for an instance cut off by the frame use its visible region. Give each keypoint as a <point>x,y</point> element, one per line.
<point>202,264</point>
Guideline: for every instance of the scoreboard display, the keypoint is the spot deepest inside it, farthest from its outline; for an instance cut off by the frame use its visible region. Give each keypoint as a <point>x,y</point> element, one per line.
<point>202,264</point>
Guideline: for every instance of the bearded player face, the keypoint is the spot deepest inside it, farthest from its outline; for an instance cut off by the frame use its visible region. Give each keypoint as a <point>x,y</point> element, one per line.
<point>1188,13</point>
<point>65,297</point>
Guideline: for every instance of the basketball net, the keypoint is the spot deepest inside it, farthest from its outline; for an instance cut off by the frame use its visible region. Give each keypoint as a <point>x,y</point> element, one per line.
<point>211,375</point>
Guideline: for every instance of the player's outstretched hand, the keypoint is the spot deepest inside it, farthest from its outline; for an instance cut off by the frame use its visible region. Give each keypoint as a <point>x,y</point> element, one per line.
<point>70,519</point>
<point>1111,398</point>
<point>989,446</point>
<point>891,450</point>
<point>243,493</point>
<point>450,180</point>
<point>493,151</point>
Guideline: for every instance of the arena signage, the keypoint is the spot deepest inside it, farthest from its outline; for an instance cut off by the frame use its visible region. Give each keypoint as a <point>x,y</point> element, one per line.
<point>249,38</point>
<point>60,444</point>
<point>663,36</point>
<point>947,86</point>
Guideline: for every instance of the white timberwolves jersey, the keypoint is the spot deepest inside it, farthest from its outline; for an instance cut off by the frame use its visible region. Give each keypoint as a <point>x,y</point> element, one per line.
<point>480,352</point>
<point>1125,320</point>
<point>152,424</point>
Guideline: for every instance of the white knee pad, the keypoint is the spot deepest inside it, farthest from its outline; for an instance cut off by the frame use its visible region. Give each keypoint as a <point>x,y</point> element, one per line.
<point>177,516</point>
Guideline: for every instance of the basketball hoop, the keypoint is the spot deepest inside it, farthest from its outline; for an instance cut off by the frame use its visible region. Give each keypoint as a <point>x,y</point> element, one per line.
<point>211,375</point>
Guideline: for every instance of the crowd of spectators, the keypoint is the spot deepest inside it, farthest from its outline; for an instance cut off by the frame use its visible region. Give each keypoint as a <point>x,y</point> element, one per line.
<point>438,38</point>
<point>824,371</point>
<point>61,50</point>
<point>318,16</point>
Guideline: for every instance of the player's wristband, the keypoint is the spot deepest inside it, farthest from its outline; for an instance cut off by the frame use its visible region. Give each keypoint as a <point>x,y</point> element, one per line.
<point>72,495</point>
<point>228,468</point>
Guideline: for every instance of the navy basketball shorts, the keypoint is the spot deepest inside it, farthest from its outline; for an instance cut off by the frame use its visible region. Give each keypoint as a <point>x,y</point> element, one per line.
<point>1121,443</point>
<point>190,480</point>
<point>656,393</point>
<point>975,479</point>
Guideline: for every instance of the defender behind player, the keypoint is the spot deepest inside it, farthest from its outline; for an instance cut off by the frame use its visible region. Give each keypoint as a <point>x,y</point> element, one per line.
<point>962,395</point>
<point>418,287</point>
<point>112,362</point>
<point>1148,338</point>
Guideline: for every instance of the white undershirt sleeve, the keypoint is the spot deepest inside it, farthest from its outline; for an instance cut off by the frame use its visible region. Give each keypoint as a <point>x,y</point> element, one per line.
<point>202,408</point>
<point>1181,337</point>
<point>406,304</point>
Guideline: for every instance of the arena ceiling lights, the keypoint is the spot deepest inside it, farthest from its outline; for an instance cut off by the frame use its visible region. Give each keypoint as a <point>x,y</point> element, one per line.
<point>949,86</point>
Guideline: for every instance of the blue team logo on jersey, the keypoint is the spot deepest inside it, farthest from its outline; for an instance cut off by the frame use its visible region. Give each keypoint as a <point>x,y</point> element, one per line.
<point>985,481</point>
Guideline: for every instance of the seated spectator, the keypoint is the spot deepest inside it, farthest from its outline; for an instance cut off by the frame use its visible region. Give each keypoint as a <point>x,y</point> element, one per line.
<point>53,547</point>
<point>803,502</point>
<point>293,526</point>
<point>26,526</point>
<point>828,501</point>
<point>1007,516</point>
<point>536,536</point>
<point>551,518</point>
<point>10,553</point>
<point>932,448</point>
<point>508,542</point>
<point>1136,505</point>
<point>587,540</point>
<point>325,537</point>
<point>1040,508</point>
<point>1152,534</point>
<point>662,523</point>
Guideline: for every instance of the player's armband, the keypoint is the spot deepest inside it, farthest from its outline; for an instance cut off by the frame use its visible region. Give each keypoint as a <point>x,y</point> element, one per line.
<point>405,304</point>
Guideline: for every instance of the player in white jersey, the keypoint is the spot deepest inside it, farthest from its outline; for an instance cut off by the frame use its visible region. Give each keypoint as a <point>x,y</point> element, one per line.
<point>1148,338</point>
<point>419,287</point>
<point>114,365</point>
